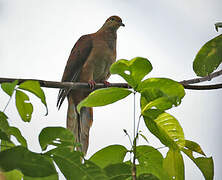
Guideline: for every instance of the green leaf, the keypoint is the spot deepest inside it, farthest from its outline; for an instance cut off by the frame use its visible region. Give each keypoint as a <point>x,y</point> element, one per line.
<point>205,164</point>
<point>69,162</point>
<point>92,171</point>
<point>144,137</point>
<point>57,136</point>
<point>23,105</point>
<point>34,88</point>
<point>6,145</point>
<point>8,130</point>
<point>174,164</point>
<point>29,163</point>
<point>165,127</point>
<point>4,136</point>
<point>209,57</point>
<point>150,161</point>
<point>52,177</point>
<point>109,155</point>
<point>9,87</point>
<point>102,97</point>
<point>193,146</point>
<point>17,134</point>
<point>3,121</point>
<point>147,177</point>
<point>119,171</point>
<point>132,71</point>
<point>13,175</point>
<point>160,93</point>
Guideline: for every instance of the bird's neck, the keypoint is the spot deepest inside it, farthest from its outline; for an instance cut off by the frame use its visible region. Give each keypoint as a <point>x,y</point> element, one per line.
<point>107,34</point>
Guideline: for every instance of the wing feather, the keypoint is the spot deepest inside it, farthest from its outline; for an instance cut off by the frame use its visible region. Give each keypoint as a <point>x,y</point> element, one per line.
<point>77,59</point>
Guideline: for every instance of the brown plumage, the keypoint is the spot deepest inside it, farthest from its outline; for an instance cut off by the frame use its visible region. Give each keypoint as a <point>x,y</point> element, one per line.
<point>89,61</point>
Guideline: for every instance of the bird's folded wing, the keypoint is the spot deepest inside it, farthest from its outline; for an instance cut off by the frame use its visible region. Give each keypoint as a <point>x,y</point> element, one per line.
<point>78,56</point>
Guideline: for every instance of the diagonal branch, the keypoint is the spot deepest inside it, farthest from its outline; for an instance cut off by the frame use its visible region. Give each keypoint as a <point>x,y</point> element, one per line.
<point>202,79</point>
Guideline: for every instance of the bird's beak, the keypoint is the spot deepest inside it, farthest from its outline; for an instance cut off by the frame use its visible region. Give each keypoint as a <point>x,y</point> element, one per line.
<point>121,24</point>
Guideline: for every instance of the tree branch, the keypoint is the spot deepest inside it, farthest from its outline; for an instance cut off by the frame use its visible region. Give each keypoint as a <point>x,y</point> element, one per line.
<point>76,85</point>
<point>202,79</point>
<point>56,84</point>
<point>203,87</point>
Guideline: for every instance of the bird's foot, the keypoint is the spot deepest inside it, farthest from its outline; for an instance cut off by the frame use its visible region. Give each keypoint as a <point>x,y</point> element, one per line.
<point>106,83</point>
<point>92,84</point>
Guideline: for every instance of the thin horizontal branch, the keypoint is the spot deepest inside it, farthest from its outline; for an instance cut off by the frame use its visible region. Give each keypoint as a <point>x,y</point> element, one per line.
<point>56,84</point>
<point>76,85</point>
<point>203,87</point>
<point>202,79</point>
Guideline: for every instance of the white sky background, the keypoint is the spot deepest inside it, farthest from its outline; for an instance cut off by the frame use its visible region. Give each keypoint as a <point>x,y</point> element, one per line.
<point>36,38</point>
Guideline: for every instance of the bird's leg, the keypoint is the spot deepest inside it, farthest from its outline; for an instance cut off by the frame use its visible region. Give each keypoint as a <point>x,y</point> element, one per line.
<point>106,83</point>
<point>92,84</point>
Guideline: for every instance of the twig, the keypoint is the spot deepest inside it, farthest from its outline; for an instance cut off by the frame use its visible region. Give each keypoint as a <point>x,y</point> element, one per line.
<point>202,79</point>
<point>203,87</point>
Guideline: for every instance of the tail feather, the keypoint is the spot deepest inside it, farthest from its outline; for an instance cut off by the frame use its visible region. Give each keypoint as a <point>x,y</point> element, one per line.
<point>86,119</point>
<point>79,124</point>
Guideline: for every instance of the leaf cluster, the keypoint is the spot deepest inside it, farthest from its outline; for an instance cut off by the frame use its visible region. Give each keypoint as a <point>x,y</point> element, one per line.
<point>157,96</point>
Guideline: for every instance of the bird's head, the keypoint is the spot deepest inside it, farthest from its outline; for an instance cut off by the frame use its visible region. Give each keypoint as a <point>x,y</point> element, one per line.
<point>113,23</point>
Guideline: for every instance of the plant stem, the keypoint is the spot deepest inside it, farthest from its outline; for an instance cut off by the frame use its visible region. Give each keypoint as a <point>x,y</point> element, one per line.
<point>134,160</point>
<point>8,101</point>
<point>134,137</point>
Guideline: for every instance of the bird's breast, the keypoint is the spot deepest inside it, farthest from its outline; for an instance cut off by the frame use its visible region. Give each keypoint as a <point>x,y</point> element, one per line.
<point>102,57</point>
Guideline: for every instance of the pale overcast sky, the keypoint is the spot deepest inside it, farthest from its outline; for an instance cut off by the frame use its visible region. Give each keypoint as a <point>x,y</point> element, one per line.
<point>36,38</point>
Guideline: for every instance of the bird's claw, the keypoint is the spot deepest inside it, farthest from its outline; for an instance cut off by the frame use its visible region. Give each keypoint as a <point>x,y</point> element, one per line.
<point>92,84</point>
<point>106,83</point>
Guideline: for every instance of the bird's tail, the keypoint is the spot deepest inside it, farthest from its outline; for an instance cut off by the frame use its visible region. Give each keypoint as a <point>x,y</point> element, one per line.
<point>79,124</point>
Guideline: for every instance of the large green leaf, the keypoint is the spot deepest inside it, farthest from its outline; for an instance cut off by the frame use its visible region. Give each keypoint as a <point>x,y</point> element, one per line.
<point>174,164</point>
<point>132,71</point>
<point>119,171</point>
<point>29,163</point>
<point>165,127</point>
<point>9,87</point>
<point>34,88</point>
<point>160,93</point>
<point>209,57</point>
<point>102,97</point>
<point>23,105</point>
<point>150,161</point>
<point>57,136</point>
<point>109,155</point>
<point>205,164</point>
<point>69,162</point>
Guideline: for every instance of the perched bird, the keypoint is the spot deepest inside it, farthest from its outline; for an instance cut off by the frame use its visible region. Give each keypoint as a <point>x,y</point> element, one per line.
<point>89,61</point>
